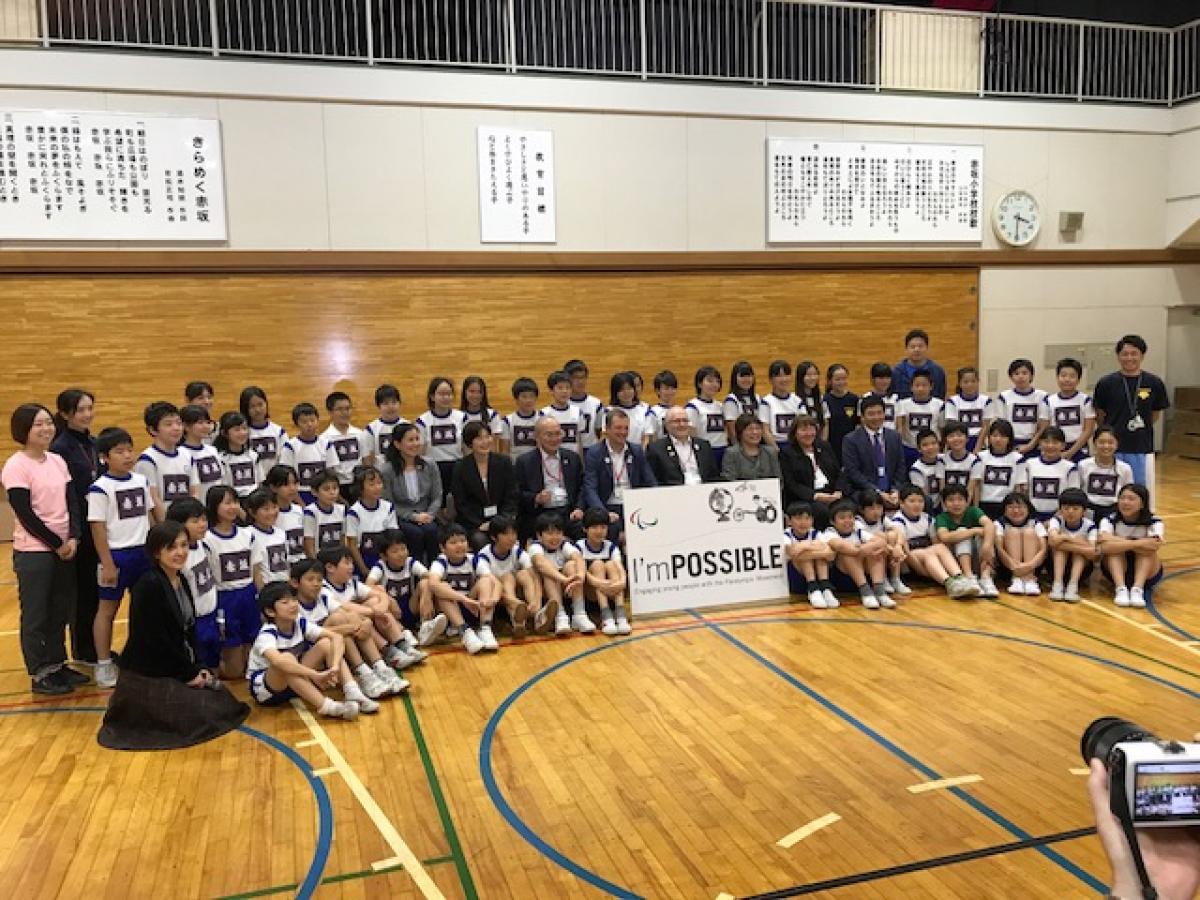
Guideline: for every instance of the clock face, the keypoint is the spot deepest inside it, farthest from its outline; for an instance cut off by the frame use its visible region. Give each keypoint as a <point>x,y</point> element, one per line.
<point>1017,219</point>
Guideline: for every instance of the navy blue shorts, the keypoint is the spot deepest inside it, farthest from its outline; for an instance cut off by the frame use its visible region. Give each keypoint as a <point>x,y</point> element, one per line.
<point>132,564</point>
<point>208,641</point>
<point>262,693</point>
<point>242,619</point>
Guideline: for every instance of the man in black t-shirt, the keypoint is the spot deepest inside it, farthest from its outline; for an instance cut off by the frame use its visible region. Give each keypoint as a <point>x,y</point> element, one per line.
<point>1131,400</point>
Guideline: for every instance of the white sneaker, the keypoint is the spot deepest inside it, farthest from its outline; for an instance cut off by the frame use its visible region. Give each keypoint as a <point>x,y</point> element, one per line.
<point>623,626</point>
<point>365,704</point>
<point>431,630</point>
<point>372,685</point>
<point>562,624</point>
<point>453,631</point>
<point>989,586</point>
<point>1071,594</point>
<point>398,685</point>
<point>1017,587</point>
<point>1137,597</point>
<point>1032,588</point>
<point>901,588</point>
<point>609,628</point>
<point>887,602</point>
<point>581,623</point>
<point>343,709</point>
<point>1057,592</point>
<point>407,641</point>
<point>958,587</point>
<point>1121,597</point>
<point>471,642</point>
<point>870,602</point>
<point>831,600</point>
<point>402,661</point>
<point>417,656</point>
<point>106,674</point>
<point>974,585</point>
<point>816,599</point>
<point>390,680</point>
<point>489,638</point>
<point>888,587</point>
<point>544,616</point>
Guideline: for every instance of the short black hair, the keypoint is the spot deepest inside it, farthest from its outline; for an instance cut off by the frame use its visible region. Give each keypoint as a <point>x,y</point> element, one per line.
<point>497,525</point>
<point>392,537</point>
<point>595,516</point>
<point>162,536</point>
<point>1068,362</point>
<point>1073,497</point>
<point>1133,340</point>
<point>214,498</point>
<point>194,389</point>
<point>911,490</point>
<point>954,427</point>
<point>868,497</point>
<point>524,385</point>
<point>279,475</point>
<point>450,531</point>
<point>386,392</point>
<point>1021,363</point>
<point>842,506</point>
<point>331,556</point>
<point>880,370</point>
<point>193,413</point>
<point>922,373</point>
<point>472,430</point>
<point>547,521</point>
<point>954,490</point>
<point>926,433</point>
<point>665,378</point>
<point>303,409</point>
<point>916,333</point>
<point>333,398</point>
<point>186,508</point>
<point>325,476</point>
<point>111,438</point>
<point>708,372</point>
<point>867,402</point>
<point>798,507</point>
<point>258,498</point>
<point>575,367</point>
<point>157,411</point>
<point>779,367</point>
<point>302,567</point>
<point>558,376</point>
<point>271,594</point>
<point>1053,433</point>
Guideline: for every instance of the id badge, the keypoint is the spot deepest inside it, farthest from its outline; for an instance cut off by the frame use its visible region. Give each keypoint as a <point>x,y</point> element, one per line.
<point>1136,423</point>
<point>489,511</point>
<point>558,496</point>
<point>618,497</point>
<point>881,471</point>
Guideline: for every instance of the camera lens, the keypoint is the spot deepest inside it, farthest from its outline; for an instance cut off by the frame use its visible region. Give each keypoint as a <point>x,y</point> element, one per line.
<point>1102,735</point>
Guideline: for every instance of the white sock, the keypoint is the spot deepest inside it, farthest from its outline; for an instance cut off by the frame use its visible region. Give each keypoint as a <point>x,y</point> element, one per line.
<point>362,669</point>
<point>328,707</point>
<point>382,668</point>
<point>353,692</point>
<point>578,607</point>
<point>606,614</point>
<point>104,662</point>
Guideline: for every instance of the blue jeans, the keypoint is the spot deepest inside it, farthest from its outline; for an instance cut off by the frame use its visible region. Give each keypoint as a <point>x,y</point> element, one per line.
<point>1137,462</point>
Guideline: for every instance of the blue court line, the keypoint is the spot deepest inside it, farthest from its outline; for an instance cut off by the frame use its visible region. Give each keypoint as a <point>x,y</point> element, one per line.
<point>542,846</point>
<point>316,867</point>
<point>1157,613</point>
<point>896,750</point>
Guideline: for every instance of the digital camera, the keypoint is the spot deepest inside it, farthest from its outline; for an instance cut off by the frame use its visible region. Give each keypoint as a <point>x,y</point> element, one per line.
<point>1151,782</point>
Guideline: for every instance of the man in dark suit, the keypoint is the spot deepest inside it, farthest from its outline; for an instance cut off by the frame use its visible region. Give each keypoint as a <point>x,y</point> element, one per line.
<point>680,458</point>
<point>873,457</point>
<point>550,479</point>
<point>613,467</point>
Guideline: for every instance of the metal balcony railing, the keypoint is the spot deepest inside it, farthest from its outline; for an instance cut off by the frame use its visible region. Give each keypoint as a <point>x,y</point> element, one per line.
<point>788,42</point>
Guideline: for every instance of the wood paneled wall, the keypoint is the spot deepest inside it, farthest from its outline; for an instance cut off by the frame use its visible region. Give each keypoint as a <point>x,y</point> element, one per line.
<point>135,338</point>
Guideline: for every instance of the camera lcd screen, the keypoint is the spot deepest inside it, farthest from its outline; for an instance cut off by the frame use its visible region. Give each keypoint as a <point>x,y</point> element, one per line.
<point>1166,792</point>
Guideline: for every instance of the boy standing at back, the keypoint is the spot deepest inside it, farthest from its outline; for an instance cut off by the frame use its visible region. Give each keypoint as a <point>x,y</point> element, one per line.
<point>345,446</point>
<point>589,407</point>
<point>165,467</point>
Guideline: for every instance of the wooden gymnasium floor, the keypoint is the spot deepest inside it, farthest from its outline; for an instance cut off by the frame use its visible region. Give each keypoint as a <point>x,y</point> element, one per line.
<point>670,764</point>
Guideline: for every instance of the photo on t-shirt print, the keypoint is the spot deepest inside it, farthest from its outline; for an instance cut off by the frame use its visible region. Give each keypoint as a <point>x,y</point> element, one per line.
<point>176,487</point>
<point>346,449</point>
<point>202,573</point>
<point>1045,488</point>
<point>131,504</point>
<point>235,564</point>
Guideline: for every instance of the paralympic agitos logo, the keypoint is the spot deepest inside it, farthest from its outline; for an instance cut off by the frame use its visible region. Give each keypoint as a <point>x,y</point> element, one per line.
<point>641,521</point>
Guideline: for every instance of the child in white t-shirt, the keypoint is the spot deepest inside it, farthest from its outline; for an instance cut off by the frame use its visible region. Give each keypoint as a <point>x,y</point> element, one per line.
<point>1021,544</point>
<point>811,555</point>
<point>706,413</point>
<point>520,592</point>
<point>604,573</point>
<point>924,553</point>
<point>456,586</point>
<point>1130,541</point>
<point>266,438</point>
<point>1072,539</point>
<point>239,464</point>
<point>517,428</point>
<point>305,453</point>
<point>404,579</point>
<point>558,562</point>
<point>860,555</point>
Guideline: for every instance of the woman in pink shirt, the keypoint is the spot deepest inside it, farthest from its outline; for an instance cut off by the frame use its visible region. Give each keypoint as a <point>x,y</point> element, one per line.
<point>45,538</point>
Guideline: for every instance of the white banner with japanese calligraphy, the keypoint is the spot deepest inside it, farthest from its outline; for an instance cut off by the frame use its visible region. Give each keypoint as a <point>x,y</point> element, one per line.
<point>85,176</point>
<point>847,191</point>
<point>516,186</point>
<point>699,545</point>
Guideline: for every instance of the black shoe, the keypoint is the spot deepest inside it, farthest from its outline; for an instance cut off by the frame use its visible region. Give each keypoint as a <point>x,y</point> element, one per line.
<point>51,685</point>
<point>72,677</point>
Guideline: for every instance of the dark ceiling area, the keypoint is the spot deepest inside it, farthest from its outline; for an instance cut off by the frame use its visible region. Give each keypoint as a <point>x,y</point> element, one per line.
<point>1167,13</point>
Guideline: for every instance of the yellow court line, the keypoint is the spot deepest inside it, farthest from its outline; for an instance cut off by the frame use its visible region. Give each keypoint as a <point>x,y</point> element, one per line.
<point>17,631</point>
<point>943,783</point>
<point>300,745</point>
<point>804,831</point>
<point>390,863</point>
<point>321,773</point>
<point>391,836</point>
<point>725,897</point>
<point>1080,771</point>
<point>1182,645</point>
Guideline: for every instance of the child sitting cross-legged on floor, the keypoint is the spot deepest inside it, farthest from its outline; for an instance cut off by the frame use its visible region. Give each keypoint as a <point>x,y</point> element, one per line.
<point>809,552</point>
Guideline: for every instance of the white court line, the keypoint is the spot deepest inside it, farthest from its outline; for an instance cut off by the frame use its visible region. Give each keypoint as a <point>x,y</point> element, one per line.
<point>321,773</point>
<point>390,863</point>
<point>1080,771</point>
<point>725,897</point>
<point>804,831</point>
<point>17,631</point>
<point>943,783</point>
<point>1182,645</point>
<point>300,745</point>
<point>391,836</point>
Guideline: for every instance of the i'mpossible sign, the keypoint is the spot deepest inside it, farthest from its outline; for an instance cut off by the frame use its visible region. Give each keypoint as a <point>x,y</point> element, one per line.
<point>705,545</point>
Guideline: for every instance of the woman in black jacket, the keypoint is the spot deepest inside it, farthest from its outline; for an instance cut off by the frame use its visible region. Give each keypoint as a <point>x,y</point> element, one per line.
<point>810,469</point>
<point>484,484</point>
<point>74,443</point>
<point>164,698</point>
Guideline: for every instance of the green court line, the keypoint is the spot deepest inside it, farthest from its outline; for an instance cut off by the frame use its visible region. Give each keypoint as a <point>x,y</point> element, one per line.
<point>439,798</point>
<point>332,879</point>
<point>1100,640</point>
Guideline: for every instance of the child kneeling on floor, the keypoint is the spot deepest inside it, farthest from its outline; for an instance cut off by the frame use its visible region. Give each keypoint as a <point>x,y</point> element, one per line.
<point>292,657</point>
